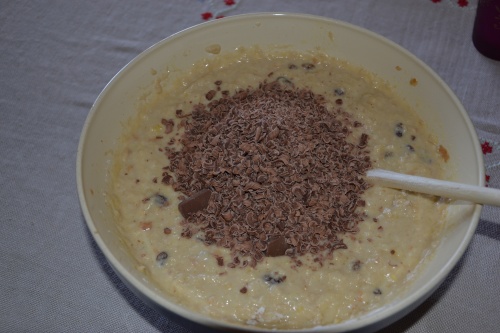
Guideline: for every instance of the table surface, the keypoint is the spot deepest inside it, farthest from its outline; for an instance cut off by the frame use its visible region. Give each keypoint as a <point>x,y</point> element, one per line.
<point>56,56</point>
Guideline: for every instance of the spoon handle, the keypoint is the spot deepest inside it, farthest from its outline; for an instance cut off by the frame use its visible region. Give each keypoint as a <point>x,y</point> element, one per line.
<point>442,188</point>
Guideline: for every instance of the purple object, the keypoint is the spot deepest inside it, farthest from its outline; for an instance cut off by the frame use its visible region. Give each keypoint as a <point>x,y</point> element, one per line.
<point>486,33</point>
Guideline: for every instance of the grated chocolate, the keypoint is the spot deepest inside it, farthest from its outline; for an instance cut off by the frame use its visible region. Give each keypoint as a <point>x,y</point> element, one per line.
<point>285,176</point>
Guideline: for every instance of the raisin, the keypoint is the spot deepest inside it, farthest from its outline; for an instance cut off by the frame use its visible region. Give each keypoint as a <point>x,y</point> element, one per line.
<point>274,278</point>
<point>161,258</point>
<point>284,80</point>
<point>339,91</point>
<point>160,200</point>
<point>308,66</point>
<point>399,130</point>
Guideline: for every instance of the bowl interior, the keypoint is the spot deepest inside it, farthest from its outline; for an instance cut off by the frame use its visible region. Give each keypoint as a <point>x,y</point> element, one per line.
<point>430,97</point>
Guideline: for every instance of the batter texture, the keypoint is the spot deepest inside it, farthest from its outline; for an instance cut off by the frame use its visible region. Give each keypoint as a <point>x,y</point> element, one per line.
<point>376,257</point>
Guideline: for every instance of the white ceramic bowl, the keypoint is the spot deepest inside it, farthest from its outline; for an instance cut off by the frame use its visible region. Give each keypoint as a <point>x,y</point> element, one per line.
<point>431,98</point>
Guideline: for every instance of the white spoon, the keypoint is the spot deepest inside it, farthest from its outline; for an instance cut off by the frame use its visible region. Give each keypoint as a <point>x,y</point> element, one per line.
<point>442,188</point>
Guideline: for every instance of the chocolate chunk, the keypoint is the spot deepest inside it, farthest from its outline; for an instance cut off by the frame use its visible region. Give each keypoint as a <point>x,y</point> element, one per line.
<point>194,203</point>
<point>377,291</point>
<point>277,247</point>
<point>339,91</point>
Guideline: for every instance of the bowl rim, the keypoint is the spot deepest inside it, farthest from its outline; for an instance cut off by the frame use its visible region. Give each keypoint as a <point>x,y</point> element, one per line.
<point>367,319</point>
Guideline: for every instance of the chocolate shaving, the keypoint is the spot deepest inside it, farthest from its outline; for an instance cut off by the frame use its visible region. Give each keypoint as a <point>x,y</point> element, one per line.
<point>210,95</point>
<point>284,175</point>
<point>363,141</point>
<point>169,125</point>
<point>220,260</point>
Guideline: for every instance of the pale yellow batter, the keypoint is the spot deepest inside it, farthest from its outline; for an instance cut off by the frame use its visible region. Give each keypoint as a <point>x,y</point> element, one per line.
<point>400,230</point>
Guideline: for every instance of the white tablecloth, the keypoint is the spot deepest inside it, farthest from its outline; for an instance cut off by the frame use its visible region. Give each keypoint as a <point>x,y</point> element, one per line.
<point>55,58</point>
